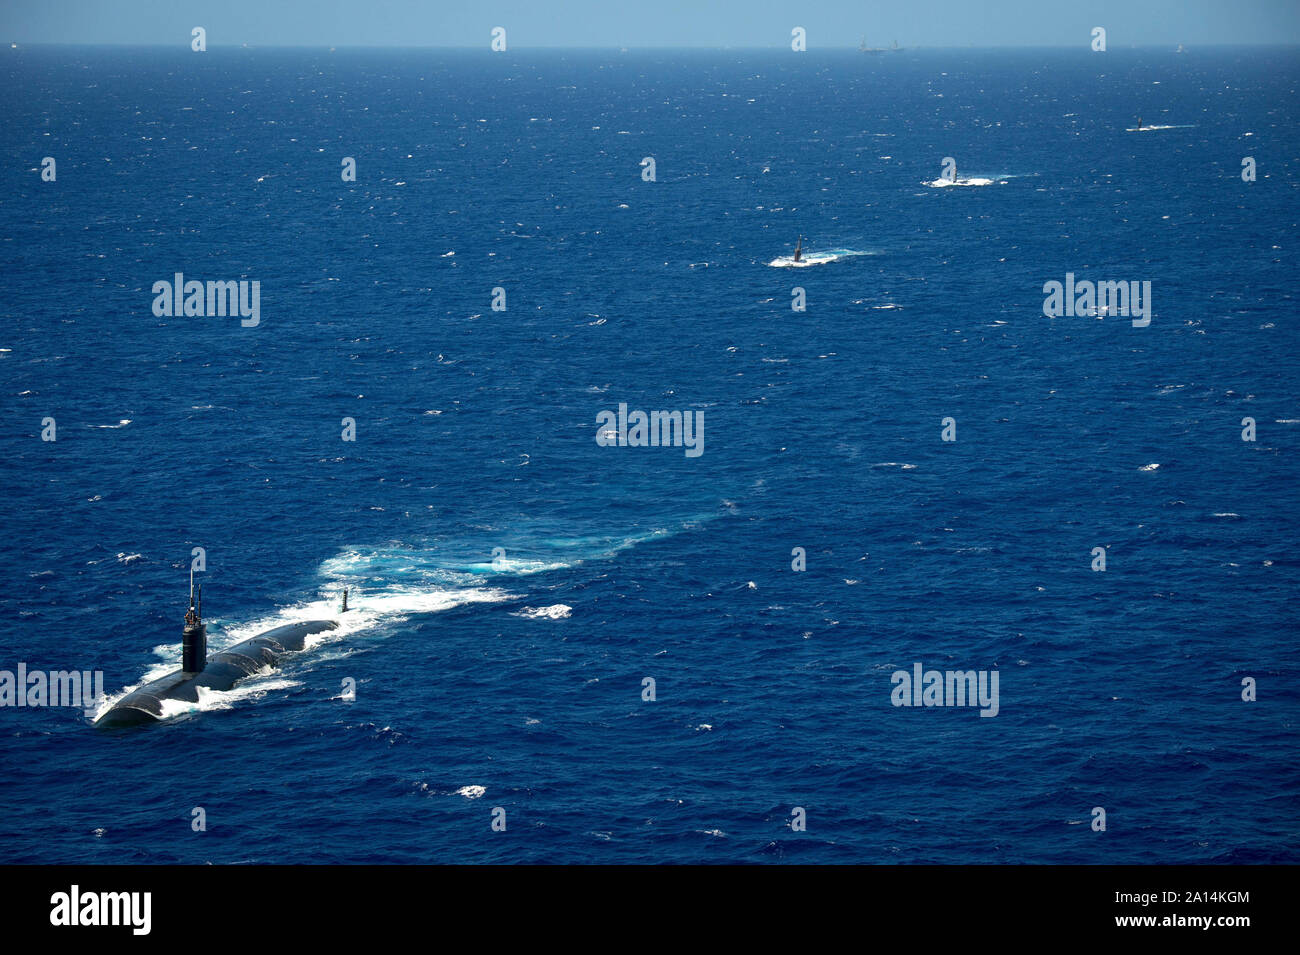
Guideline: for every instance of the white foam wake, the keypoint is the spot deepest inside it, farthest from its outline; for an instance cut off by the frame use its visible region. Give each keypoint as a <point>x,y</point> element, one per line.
<point>815,258</point>
<point>942,183</point>
<point>462,566</point>
<point>388,584</point>
<point>365,612</point>
<point>252,688</point>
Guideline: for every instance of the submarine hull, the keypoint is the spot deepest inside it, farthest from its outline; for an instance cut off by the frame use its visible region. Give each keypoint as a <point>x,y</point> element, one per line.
<point>222,672</point>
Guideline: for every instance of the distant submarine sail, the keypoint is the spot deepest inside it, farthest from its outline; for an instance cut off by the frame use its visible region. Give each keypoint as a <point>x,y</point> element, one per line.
<point>798,249</point>
<point>221,671</point>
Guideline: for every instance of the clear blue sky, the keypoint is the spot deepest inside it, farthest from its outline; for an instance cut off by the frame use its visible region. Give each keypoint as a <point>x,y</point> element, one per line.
<point>651,23</point>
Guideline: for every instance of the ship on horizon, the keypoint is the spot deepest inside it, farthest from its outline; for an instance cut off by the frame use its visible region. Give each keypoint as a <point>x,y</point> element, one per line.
<point>863,48</point>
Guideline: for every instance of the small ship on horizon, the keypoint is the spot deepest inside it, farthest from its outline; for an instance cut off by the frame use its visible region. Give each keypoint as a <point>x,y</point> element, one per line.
<point>863,48</point>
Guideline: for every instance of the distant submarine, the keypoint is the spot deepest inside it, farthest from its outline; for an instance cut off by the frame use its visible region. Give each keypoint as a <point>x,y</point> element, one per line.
<point>221,671</point>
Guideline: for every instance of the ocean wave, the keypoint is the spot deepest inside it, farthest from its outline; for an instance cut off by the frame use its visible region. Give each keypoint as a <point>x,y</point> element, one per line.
<point>553,612</point>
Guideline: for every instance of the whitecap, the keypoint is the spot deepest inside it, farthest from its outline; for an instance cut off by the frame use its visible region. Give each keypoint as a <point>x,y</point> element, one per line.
<point>553,612</point>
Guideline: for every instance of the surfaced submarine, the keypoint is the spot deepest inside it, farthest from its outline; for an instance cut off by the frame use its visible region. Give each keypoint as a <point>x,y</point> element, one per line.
<point>221,671</point>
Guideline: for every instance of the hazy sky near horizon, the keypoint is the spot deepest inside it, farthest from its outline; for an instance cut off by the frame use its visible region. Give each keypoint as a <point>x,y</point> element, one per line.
<point>653,23</point>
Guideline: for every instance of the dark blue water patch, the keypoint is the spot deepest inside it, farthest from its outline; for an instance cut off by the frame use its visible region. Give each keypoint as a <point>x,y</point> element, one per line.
<point>517,682</point>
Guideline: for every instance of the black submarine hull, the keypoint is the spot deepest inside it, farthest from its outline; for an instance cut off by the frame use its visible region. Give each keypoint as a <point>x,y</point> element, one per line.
<point>222,672</point>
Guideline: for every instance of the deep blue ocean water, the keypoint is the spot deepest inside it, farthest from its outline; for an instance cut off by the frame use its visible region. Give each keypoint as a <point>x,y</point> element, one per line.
<point>519,685</point>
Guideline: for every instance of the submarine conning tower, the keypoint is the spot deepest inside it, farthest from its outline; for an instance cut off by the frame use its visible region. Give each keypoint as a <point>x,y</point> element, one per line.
<point>194,639</point>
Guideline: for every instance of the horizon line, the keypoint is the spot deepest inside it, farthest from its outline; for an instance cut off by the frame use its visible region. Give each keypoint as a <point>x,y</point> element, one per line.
<point>19,44</point>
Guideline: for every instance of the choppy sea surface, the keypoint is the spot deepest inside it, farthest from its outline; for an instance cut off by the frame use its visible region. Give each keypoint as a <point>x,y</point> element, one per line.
<point>516,583</point>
